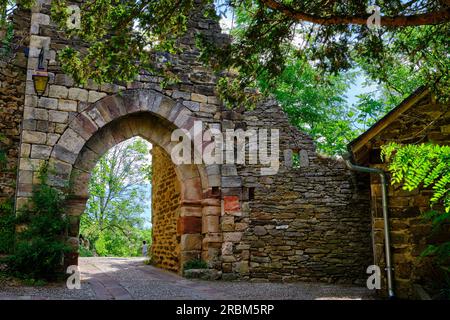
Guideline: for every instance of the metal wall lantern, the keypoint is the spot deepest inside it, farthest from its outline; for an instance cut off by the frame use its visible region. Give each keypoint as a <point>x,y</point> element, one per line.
<point>40,77</point>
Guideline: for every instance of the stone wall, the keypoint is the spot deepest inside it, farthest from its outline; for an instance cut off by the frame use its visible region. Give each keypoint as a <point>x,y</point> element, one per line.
<point>310,222</point>
<point>12,96</point>
<point>165,212</point>
<point>305,223</point>
<point>426,120</point>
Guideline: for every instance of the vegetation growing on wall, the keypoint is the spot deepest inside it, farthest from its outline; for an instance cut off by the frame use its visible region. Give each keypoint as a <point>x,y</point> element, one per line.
<point>426,166</point>
<point>7,226</point>
<point>40,244</point>
<point>195,264</point>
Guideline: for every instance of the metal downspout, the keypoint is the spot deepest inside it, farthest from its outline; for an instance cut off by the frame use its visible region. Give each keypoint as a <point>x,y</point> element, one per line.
<point>387,241</point>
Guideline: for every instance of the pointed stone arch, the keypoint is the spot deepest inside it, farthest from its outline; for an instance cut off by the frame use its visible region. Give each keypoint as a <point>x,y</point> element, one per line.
<point>114,119</point>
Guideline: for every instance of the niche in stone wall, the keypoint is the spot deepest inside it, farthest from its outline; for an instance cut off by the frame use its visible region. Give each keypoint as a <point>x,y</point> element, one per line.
<point>296,158</point>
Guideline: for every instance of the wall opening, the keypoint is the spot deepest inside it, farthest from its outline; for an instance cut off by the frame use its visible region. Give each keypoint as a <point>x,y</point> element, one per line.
<point>117,217</point>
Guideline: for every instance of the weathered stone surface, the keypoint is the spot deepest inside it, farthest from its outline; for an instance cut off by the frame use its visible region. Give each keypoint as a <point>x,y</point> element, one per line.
<point>203,274</point>
<point>230,216</point>
<point>95,96</point>
<point>34,137</point>
<point>58,116</point>
<point>199,98</point>
<point>67,105</point>
<point>48,103</point>
<point>232,236</point>
<point>56,91</point>
<point>40,151</point>
<point>260,231</point>
<point>231,204</point>
<point>165,207</point>
<point>78,94</point>
<point>409,232</point>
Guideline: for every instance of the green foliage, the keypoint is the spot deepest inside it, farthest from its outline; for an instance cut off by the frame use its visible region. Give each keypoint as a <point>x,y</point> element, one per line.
<point>424,165</point>
<point>124,37</point>
<point>34,282</point>
<point>262,39</point>
<point>84,252</point>
<point>127,36</point>
<point>314,106</point>
<point>113,220</point>
<point>6,41</point>
<point>3,160</point>
<point>3,156</point>
<point>41,244</point>
<point>195,264</point>
<point>7,226</point>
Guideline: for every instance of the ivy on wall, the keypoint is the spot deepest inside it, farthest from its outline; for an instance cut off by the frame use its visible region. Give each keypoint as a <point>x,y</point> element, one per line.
<point>3,158</point>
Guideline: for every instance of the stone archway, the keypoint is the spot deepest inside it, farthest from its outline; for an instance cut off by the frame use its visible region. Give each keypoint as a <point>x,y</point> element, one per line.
<point>152,116</point>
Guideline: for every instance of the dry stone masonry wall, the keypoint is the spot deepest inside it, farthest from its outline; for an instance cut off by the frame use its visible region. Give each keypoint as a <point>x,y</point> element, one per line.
<point>12,95</point>
<point>165,248</point>
<point>305,223</point>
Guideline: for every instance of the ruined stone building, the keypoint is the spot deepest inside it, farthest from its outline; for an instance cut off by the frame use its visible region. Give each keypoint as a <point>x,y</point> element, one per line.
<point>418,119</point>
<point>310,222</point>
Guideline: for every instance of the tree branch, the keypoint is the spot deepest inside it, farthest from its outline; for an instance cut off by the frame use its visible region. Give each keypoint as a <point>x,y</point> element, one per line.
<point>429,18</point>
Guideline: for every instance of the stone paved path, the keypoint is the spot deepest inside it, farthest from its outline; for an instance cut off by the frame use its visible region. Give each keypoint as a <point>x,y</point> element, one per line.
<point>130,278</point>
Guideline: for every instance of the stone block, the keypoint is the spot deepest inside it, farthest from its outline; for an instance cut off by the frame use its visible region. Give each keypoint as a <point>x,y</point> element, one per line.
<point>40,151</point>
<point>64,80</point>
<point>72,141</point>
<point>231,204</point>
<point>227,248</point>
<point>48,103</point>
<point>84,126</point>
<point>33,137</point>
<point>67,105</point>
<point>210,224</point>
<point>191,242</point>
<point>189,225</point>
<point>30,164</point>
<point>232,236</point>
<point>227,223</point>
<point>260,231</point>
<point>199,98</point>
<point>41,114</point>
<point>25,150</point>
<point>52,138</point>
<point>56,91</point>
<point>231,182</point>
<point>78,94</point>
<point>63,154</point>
<point>181,95</point>
<point>58,116</point>
<point>193,106</point>
<point>211,211</point>
<point>94,96</point>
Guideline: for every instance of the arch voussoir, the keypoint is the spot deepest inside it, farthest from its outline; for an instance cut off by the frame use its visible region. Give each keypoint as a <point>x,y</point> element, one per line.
<point>84,125</point>
<point>87,159</point>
